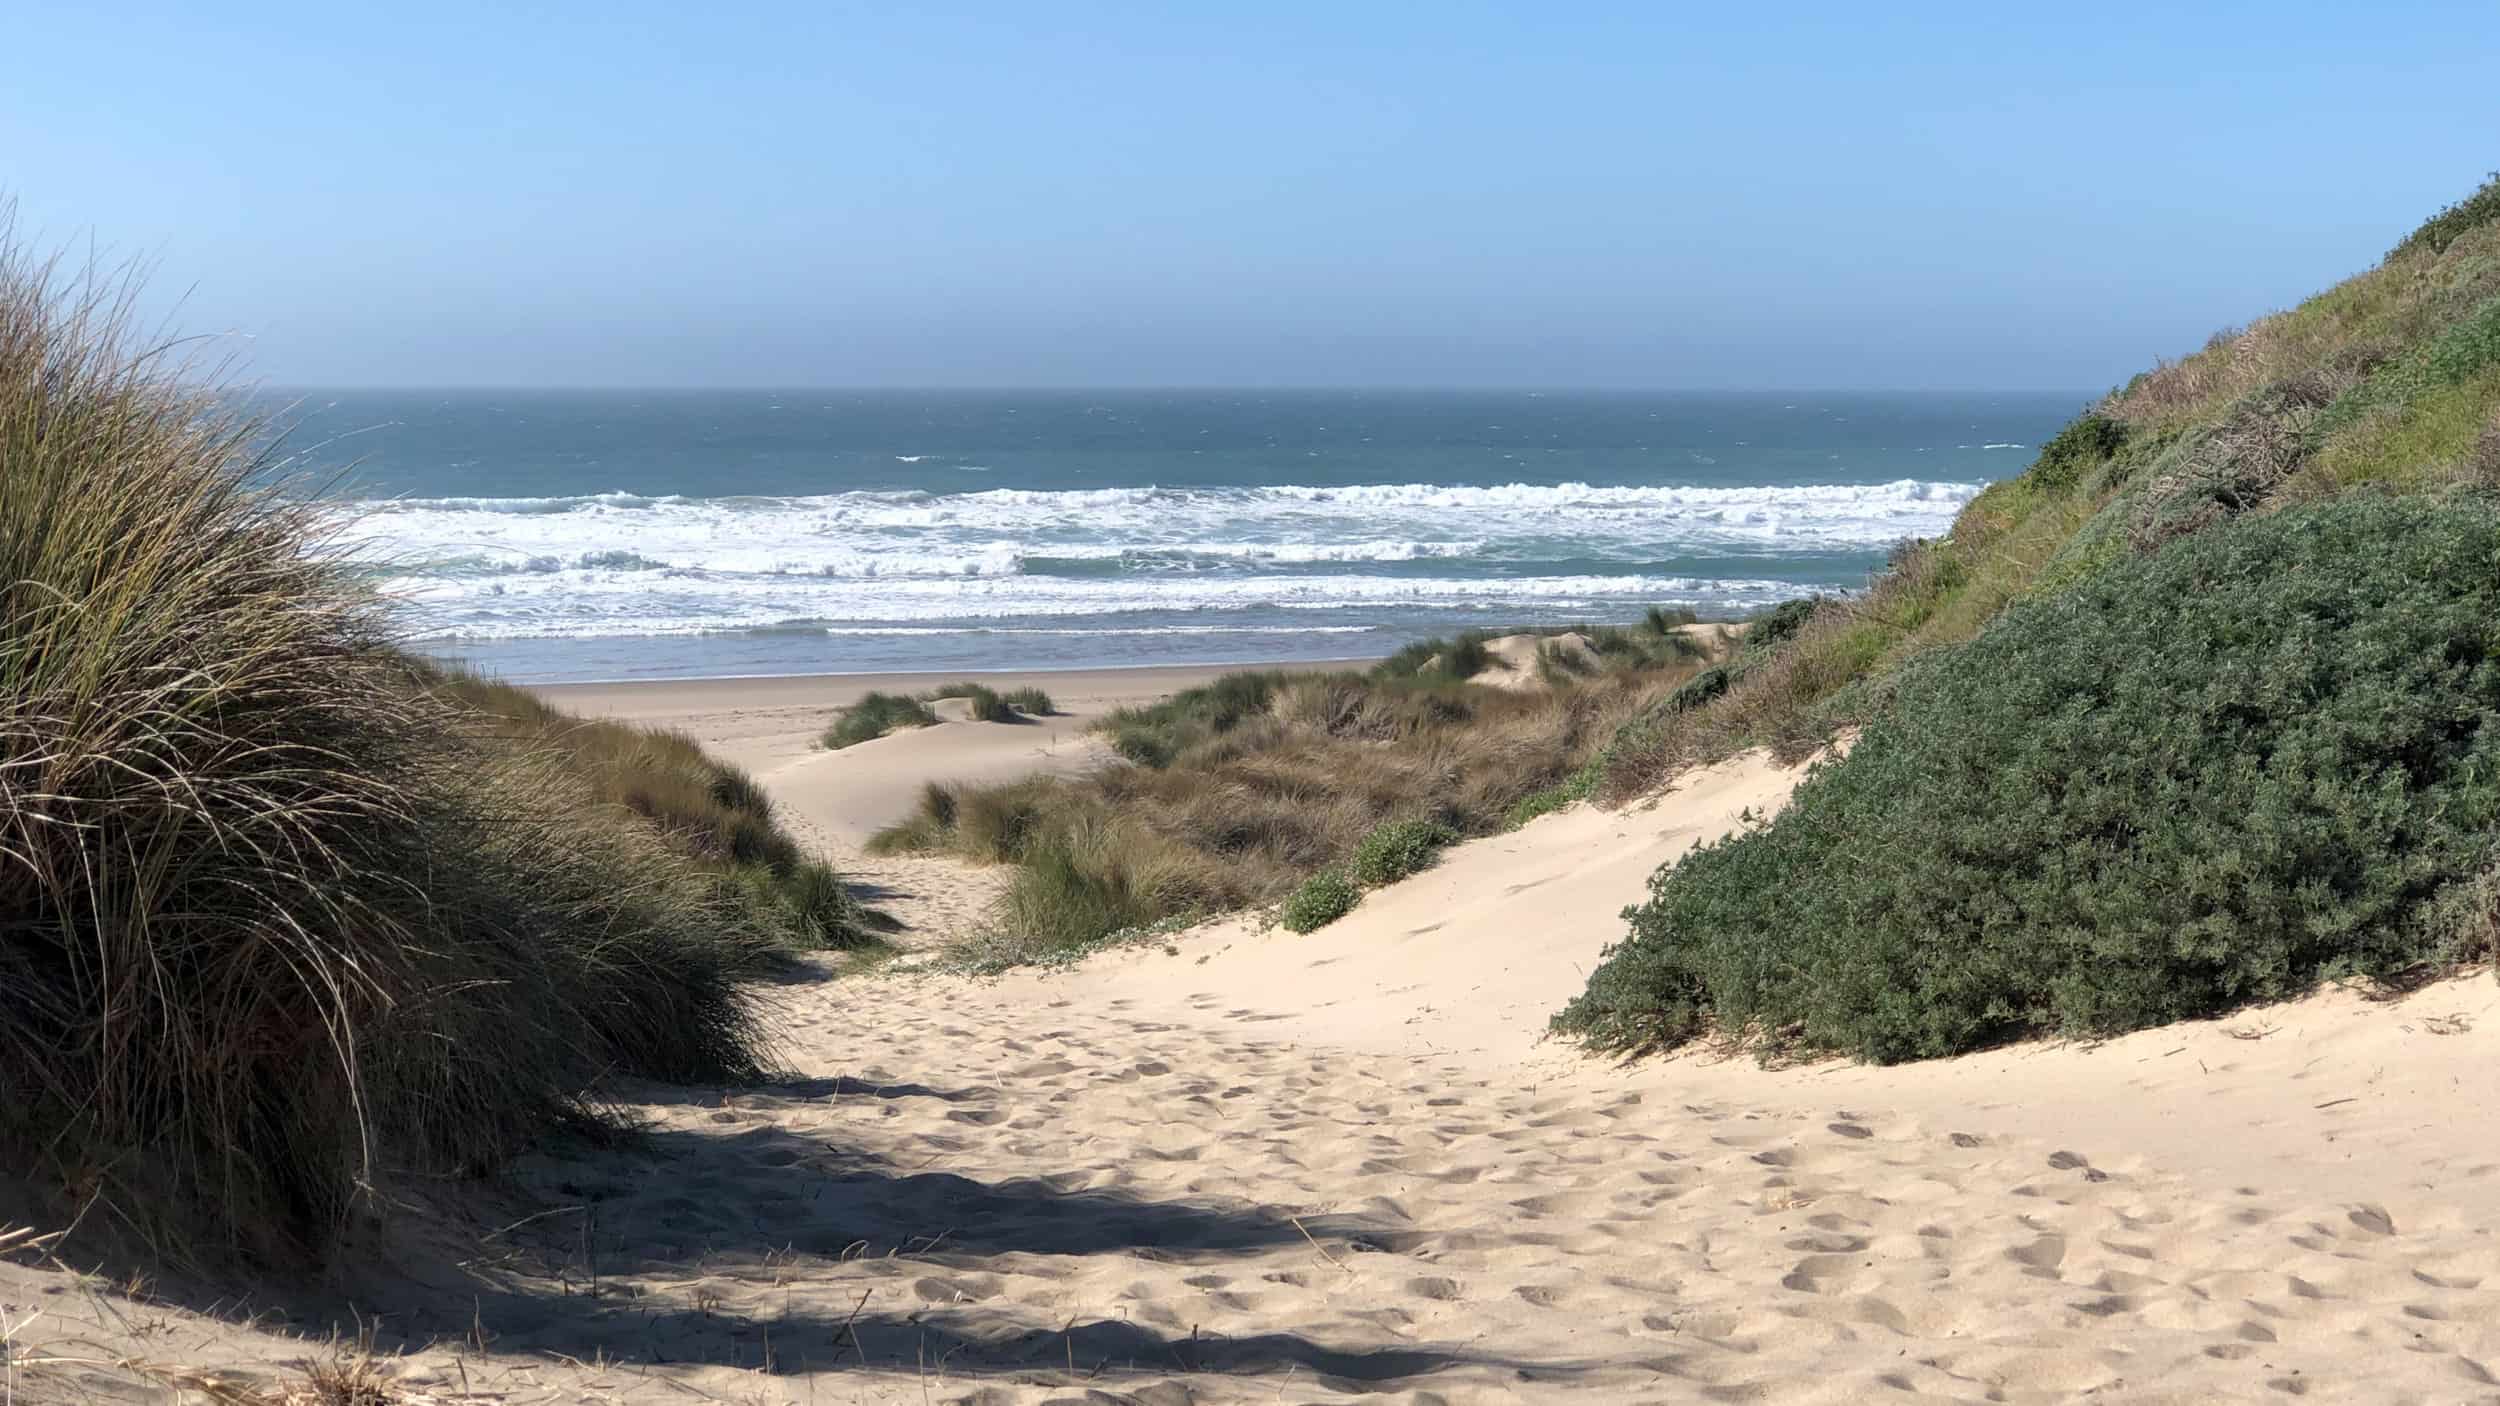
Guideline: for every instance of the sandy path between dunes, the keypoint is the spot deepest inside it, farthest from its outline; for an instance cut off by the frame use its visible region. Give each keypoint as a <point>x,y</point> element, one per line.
<point>1259,1168</point>
<point>836,800</point>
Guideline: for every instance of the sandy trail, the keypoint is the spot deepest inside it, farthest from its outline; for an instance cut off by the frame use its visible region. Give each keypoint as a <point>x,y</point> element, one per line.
<point>1256,1168</point>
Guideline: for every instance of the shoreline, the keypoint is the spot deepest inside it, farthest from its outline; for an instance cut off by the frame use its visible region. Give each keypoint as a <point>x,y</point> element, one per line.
<point>840,688</point>
<point>949,675</point>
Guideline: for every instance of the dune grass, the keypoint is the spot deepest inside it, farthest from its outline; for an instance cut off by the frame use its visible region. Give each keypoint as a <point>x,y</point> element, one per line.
<point>873,716</point>
<point>877,714</point>
<point>1031,701</point>
<point>278,925</point>
<point>1244,788</point>
<point>711,812</point>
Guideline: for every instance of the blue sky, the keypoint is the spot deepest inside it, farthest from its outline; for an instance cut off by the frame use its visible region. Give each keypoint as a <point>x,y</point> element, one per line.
<point>1285,193</point>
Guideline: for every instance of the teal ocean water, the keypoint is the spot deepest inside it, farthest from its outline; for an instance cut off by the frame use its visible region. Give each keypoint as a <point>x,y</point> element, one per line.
<point>613,535</point>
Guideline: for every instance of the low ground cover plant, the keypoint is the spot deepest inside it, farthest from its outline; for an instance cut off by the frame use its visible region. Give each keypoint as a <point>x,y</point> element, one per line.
<point>2266,755</point>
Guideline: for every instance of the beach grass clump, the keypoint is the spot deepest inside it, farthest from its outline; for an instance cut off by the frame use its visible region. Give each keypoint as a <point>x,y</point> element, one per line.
<point>1399,848</point>
<point>987,705</point>
<point>1455,659</point>
<point>277,923</point>
<point>1663,621</point>
<point>1031,701</point>
<point>1082,881</point>
<point>710,811</point>
<point>1318,901</point>
<point>875,715</point>
<point>2264,756</point>
<point>1153,734</point>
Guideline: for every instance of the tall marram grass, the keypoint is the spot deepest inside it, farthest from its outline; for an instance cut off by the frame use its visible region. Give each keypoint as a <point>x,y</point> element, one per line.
<point>1240,790</point>
<point>276,919</point>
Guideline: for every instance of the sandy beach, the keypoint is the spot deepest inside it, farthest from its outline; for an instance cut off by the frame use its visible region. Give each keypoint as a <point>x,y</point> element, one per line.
<point>1244,1166</point>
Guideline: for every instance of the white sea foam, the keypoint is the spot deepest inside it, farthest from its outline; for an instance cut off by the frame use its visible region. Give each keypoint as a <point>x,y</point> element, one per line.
<point>552,606</point>
<point>622,563</point>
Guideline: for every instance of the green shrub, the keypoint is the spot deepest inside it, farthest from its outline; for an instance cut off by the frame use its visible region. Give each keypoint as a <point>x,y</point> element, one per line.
<point>1031,701</point>
<point>2087,443</point>
<point>875,715</point>
<point>1322,899</point>
<point>1766,632</point>
<point>1399,848</point>
<point>2212,776</point>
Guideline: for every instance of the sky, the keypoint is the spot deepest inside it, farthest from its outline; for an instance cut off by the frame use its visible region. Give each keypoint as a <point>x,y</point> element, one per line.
<point>1447,194</point>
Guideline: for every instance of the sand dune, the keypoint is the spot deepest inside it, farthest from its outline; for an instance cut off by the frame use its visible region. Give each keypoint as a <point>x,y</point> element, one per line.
<point>839,798</point>
<point>1252,1167</point>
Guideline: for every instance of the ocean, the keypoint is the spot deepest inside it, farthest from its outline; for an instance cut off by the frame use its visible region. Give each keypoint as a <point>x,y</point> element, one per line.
<point>560,535</point>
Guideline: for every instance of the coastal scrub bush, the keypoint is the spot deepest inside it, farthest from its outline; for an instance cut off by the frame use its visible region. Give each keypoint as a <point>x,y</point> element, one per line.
<point>1320,900</point>
<point>2264,756</point>
<point>2088,442</point>
<point>1399,848</point>
<point>875,715</point>
<point>277,920</point>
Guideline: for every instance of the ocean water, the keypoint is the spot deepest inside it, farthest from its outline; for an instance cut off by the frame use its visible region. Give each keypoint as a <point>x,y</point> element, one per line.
<point>616,535</point>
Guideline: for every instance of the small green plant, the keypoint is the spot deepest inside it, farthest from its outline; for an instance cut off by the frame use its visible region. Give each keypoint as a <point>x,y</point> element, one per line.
<point>1322,899</point>
<point>1399,848</point>
<point>875,715</point>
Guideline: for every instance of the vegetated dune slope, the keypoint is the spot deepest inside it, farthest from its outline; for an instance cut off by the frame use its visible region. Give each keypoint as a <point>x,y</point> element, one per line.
<point>1307,1169</point>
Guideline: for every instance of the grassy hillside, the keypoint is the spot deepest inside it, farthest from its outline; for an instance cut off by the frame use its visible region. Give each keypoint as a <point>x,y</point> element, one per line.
<point>1247,788</point>
<point>283,915</point>
<point>2192,712</point>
